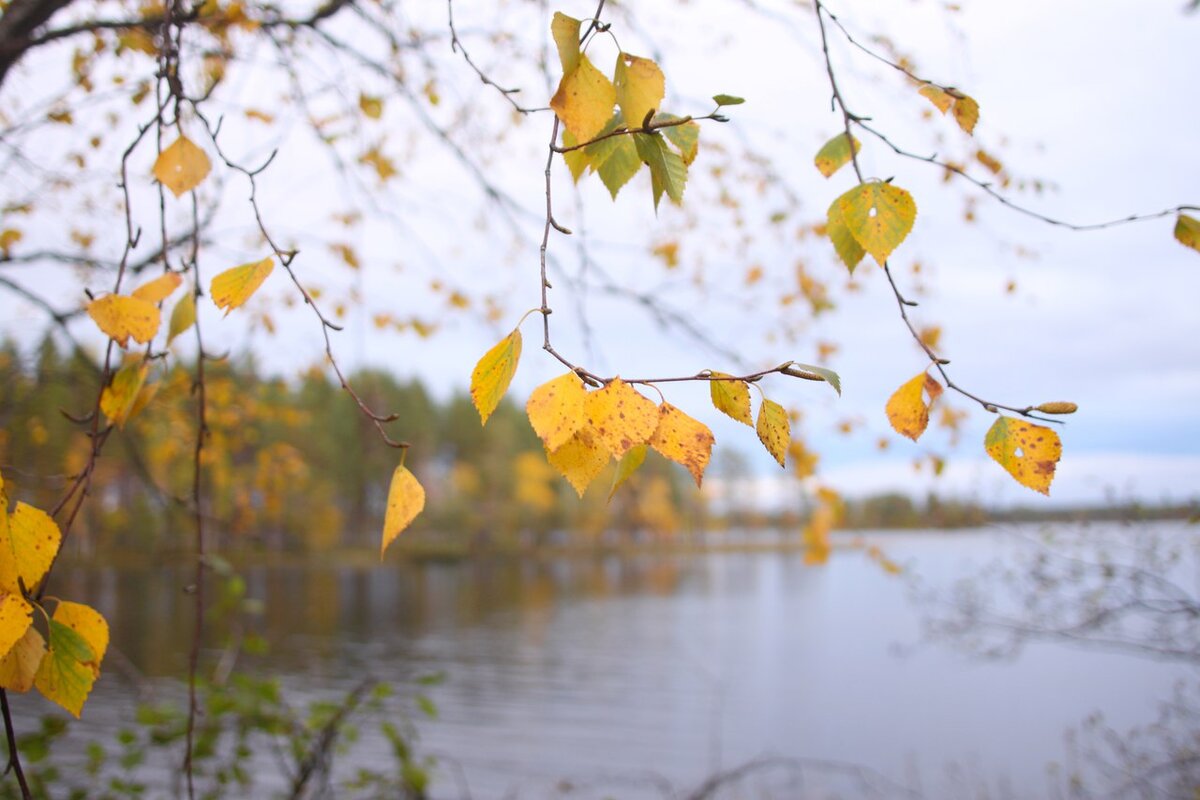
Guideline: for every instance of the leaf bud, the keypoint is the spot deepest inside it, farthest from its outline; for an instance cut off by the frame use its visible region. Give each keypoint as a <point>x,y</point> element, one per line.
<point>1058,407</point>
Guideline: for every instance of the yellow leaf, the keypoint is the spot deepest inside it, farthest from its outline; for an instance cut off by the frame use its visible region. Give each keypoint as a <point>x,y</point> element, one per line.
<point>1029,452</point>
<point>731,398</point>
<point>89,624</point>
<point>493,374</point>
<point>182,166</point>
<point>629,464</point>
<point>143,399</point>
<point>682,439</point>
<point>20,665</point>
<point>844,243</point>
<point>121,317</point>
<point>774,430</point>
<point>233,287</point>
<point>620,417</point>
<point>78,639</point>
<point>565,31</point>
<point>158,289</point>
<point>935,95</point>
<point>577,160</point>
<point>28,549</point>
<point>406,499</point>
<point>371,106</point>
<point>1187,231</point>
<point>906,408</point>
<point>879,216</point>
<point>966,112</point>
<point>15,619</point>
<point>835,154</point>
<point>183,316</point>
<point>640,87</point>
<point>580,460</point>
<point>555,409</point>
<point>584,100</point>
<point>9,237</point>
<point>118,398</point>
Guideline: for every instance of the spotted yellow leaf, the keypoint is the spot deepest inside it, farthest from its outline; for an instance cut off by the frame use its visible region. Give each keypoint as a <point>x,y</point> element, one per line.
<point>68,670</point>
<point>584,100</point>
<point>118,398</point>
<point>123,317</point>
<point>580,459</point>
<point>620,417</point>
<point>182,166</point>
<point>159,289</point>
<point>493,374</point>
<point>1187,231</point>
<point>1029,452</point>
<point>20,665</point>
<point>629,464</point>
<point>555,409</point>
<point>682,439</point>
<point>731,397</point>
<point>937,96</point>
<point>183,316</point>
<point>879,216</point>
<point>907,409</point>
<point>406,499</point>
<point>233,287</point>
<point>966,112</point>
<point>28,549</point>
<point>640,87</point>
<point>15,618</point>
<point>836,153</point>
<point>774,430</point>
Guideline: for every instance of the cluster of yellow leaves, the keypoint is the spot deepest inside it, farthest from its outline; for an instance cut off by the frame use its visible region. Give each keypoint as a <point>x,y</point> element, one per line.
<point>963,107</point>
<point>64,662</point>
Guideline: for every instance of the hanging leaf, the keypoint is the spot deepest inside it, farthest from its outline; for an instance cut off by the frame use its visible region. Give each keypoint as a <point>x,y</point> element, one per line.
<point>774,430</point>
<point>615,159</point>
<point>493,374</point>
<point>233,287</point>
<point>28,549</point>
<point>182,166</point>
<point>906,408</point>
<point>406,499</point>
<point>966,113</point>
<point>19,667</point>
<point>731,398</point>
<point>183,316</point>
<point>565,31</point>
<point>684,440</point>
<point>584,100</point>
<point>879,216</point>
<point>1029,452</point>
<point>640,87</point>
<point>555,410</point>
<point>668,173</point>
<point>580,460</point>
<point>935,95</point>
<point>577,160</point>
<point>620,417</point>
<point>117,399</point>
<point>629,464</point>
<point>815,538</point>
<point>121,317</point>
<point>15,618</point>
<point>685,136</point>
<point>70,666</point>
<point>836,153</point>
<point>844,244</point>
<point>158,289</point>
<point>1187,231</point>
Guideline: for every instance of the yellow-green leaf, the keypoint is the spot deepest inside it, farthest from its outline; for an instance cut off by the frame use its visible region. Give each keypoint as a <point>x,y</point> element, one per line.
<point>682,439</point>
<point>810,372</point>
<point>620,417</point>
<point>555,409</point>
<point>118,398</point>
<point>731,397</point>
<point>29,549</point>
<point>158,289</point>
<point>183,316</point>
<point>640,87</point>
<point>406,499</point>
<point>15,618</point>
<point>615,159</point>
<point>879,216</point>
<point>935,95</point>
<point>584,100</point>
<point>233,287</point>
<point>844,244</point>
<point>577,160</point>
<point>774,430</point>
<point>1029,452</point>
<point>182,166</point>
<point>69,668</point>
<point>966,113</point>
<point>493,374</point>
<point>906,408</point>
<point>1187,231</point>
<point>121,317</point>
<point>20,665</point>
<point>836,153</point>
<point>580,460</point>
<point>668,173</point>
<point>565,31</point>
<point>685,136</point>
<point>629,464</point>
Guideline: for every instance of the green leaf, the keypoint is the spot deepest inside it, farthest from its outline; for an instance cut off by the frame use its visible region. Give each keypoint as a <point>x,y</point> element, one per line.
<point>835,154</point>
<point>668,173</point>
<point>65,675</point>
<point>879,217</point>
<point>810,372</point>
<point>685,136</point>
<point>628,465</point>
<point>727,100</point>
<point>615,159</point>
<point>1187,231</point>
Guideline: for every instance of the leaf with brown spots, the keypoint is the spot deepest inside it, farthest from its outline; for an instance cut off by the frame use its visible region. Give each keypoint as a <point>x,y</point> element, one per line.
<point>878,215</point>
<point>29,548</point>
<point>15,618</point>
<point>966,113</point>
<point>731,397</point>
<point>1029,452</point>
<point>580,460</point>
<point>493,373</point>
<point>620,417</point>
<point>774,430</point>
<point>555,409</point>
<point>682,439</point>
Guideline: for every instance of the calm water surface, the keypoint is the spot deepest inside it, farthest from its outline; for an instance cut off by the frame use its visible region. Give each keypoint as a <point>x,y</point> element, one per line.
<point>614,669</point>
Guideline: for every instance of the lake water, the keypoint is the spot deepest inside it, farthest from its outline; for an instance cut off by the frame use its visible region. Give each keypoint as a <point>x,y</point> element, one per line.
<point>608,676</point>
